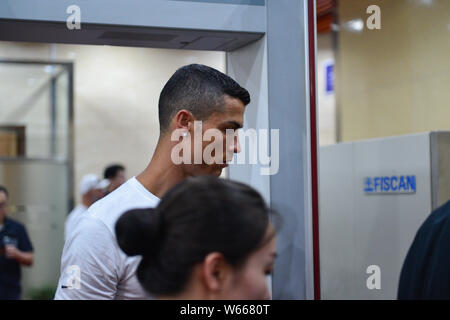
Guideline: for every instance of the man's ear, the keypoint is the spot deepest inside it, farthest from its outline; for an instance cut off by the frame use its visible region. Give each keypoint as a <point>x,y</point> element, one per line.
<point>184,120</point>
<point>215,271</point>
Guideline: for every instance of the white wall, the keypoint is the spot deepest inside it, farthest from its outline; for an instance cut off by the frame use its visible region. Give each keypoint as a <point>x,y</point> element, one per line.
<point>326,101</point>
<point>395,80</point>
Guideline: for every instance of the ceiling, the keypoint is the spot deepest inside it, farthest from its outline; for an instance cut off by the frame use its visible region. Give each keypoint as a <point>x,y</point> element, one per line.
<point>169,38</point>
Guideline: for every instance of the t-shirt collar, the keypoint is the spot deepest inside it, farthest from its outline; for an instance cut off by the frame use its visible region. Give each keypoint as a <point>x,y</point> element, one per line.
<point>135,182</point>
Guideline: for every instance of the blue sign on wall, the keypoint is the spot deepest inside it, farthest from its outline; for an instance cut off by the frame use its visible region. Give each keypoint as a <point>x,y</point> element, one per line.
<point>329,80</point>
<point>390,184</point>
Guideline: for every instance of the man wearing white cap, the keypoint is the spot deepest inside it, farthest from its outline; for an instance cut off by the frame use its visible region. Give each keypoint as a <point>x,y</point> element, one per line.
<point>91,190</point>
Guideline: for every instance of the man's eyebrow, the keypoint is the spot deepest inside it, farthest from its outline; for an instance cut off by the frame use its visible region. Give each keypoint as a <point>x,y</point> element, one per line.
<point>235,124</point>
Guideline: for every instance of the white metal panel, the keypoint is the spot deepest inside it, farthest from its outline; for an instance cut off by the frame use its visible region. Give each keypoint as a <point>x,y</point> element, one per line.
<point>248,66</point>
<point>336,221</point>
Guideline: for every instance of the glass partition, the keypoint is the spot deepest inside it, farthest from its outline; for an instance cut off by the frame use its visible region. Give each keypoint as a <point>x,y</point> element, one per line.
<point>36,161</point>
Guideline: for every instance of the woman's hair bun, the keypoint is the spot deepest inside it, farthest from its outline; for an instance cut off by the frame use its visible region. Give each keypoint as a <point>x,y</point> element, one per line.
<point>138,231</point>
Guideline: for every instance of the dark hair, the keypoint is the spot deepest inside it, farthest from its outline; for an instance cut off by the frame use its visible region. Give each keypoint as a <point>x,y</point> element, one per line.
<point>199,216</point>
<point>4,190</point>
<point>112,170</point>
<point>198,89</point>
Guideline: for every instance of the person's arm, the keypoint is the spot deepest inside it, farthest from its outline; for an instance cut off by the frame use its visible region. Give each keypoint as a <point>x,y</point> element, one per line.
<point>23,253</point>
<point>24,258</point>
<point>89,263</point>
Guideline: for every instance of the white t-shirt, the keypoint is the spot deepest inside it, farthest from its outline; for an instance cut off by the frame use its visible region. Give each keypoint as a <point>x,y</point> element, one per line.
<point>92,264</point>
<point>73,218</point>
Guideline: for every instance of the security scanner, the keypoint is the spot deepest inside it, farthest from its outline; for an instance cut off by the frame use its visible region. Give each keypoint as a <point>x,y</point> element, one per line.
<point>374,195</point>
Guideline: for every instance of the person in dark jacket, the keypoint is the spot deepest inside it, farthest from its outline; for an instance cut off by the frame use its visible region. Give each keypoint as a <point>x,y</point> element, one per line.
<point>426,270</point>
<point>15,251</point>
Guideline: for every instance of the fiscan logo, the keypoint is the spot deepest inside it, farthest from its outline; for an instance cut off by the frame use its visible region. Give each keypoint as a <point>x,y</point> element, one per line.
<point>390,184</point>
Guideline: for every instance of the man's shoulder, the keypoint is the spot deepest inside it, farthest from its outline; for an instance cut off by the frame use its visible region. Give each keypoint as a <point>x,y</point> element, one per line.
<point>89,233</point>
<point>78,209</point>
<point>14,224</point>
<point>439,217</point>
<point>110,208</point>
<point>443,212</point>
<point>437,224</point>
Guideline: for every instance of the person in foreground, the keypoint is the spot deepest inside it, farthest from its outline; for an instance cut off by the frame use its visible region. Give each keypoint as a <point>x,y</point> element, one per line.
<point>425,273</point>
<point>208,239</point>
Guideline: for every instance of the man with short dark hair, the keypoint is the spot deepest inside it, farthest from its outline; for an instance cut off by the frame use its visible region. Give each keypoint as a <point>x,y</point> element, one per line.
<point>116,175</point>
<point>92,265</point>
<point>15,250</point>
